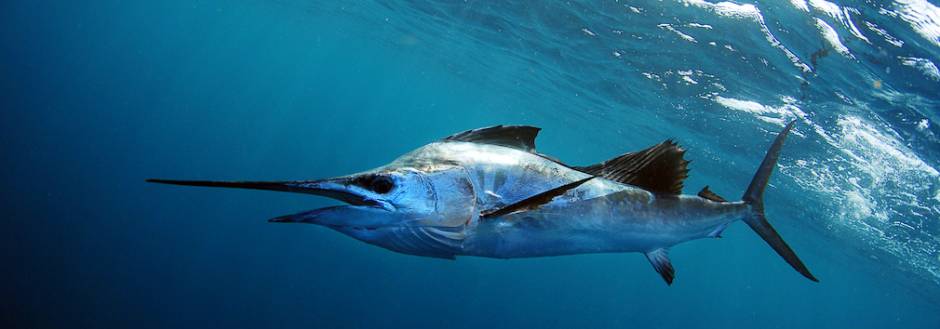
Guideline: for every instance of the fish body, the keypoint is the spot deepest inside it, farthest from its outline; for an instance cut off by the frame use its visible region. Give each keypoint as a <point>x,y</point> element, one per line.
<point>599,216</point>
<point>624,221</point>
<point>487,192</point>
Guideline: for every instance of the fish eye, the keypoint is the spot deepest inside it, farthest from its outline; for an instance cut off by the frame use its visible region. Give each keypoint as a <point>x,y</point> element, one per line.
<point>381,184</point>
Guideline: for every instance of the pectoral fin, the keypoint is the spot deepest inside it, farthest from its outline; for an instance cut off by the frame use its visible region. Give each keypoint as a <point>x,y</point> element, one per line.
<point>660,260</point>
<point>534,201</point>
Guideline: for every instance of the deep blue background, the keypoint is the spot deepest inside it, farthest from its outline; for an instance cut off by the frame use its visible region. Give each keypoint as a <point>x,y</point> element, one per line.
<point>98,96</point>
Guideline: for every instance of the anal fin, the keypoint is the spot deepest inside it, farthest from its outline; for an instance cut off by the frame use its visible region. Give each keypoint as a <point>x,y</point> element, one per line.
<point>659,258</point>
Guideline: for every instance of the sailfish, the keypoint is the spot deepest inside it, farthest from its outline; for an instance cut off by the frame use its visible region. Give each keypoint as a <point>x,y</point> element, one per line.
<point>487,192</point>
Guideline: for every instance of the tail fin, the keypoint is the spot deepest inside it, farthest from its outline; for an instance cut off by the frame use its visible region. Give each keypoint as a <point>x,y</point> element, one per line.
<point>755,198</point>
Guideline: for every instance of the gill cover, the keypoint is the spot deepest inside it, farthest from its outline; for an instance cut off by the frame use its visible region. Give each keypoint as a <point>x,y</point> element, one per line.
<point>385,197</point>
<point>432,212</point>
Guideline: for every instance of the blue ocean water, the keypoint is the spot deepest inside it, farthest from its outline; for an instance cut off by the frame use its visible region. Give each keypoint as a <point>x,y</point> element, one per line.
<point>99,95</point>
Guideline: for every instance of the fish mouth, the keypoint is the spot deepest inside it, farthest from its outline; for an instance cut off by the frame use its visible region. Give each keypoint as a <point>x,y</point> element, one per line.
<point>322,217</point>
<point>334,188</point>
<point>347,217</point>
<point>359,205</point>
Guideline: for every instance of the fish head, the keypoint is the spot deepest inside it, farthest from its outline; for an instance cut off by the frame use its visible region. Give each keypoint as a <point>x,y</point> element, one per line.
<point>412,210</point>
<point>414,207</point>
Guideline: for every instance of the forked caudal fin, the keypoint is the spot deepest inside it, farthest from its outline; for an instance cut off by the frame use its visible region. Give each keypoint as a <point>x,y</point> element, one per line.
<point>755,198</point>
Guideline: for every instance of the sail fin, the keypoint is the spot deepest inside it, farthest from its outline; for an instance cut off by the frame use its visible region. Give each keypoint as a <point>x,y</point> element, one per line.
<point>660,168</point>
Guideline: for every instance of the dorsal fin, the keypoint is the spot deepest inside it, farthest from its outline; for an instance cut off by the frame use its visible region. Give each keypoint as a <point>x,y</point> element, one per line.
<point>708,194</point>
<point>660,168</point>
<point>518,137</point>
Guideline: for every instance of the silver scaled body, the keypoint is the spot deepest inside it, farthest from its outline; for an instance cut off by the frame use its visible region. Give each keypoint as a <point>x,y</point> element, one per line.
<point>598,216</point>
